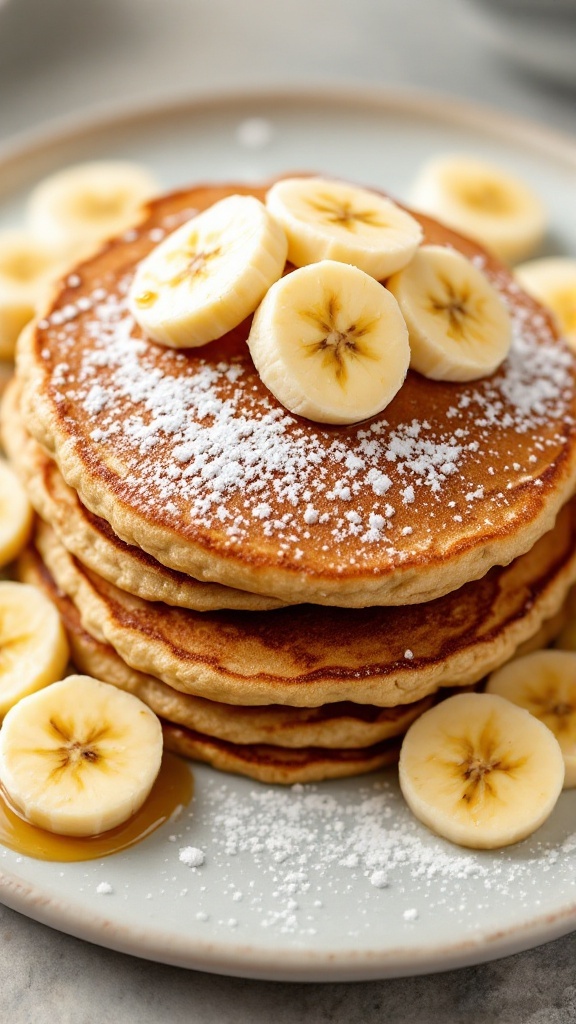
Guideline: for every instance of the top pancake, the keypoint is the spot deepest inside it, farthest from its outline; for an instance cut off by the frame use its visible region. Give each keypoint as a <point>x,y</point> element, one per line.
<point>188,456</point>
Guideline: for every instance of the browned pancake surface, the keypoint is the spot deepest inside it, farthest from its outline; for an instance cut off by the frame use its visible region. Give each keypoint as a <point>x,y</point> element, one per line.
<point>340,725</point>
<point>278,764</point>
<point>92,540</point>
<point>189,456</point>
<point>308,655</point>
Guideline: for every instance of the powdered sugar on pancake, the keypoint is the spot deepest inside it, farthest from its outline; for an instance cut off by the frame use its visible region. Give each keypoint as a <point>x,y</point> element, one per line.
<point>195,438</point>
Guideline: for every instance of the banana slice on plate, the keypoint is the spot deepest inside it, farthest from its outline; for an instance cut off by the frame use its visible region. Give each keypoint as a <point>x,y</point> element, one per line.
<point>566,639</point>
<point>480,771</point>
<point>79,757</point>
<point>483,201</point>
<point>27,271</point>
<point>209,274</point>
<point>553,282</point>
<point>78,208</point>
<point>331,220</point>
<point>545,684</point>
<point>15,515</point>
<point>33,645</point>
<point>330,343</point>
<point>459,327</point>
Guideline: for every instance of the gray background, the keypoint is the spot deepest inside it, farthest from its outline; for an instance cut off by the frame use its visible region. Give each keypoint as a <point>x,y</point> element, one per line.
<point>59,57</point>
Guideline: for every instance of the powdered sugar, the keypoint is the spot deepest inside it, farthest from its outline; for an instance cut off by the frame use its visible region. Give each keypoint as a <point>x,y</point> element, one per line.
<point>203,444</point>
<point>314,848</point>
<point>191,856</point>
<point>336,866</point>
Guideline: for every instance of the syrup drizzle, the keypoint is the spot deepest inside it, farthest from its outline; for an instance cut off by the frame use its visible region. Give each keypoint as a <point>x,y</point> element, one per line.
<point>173,789</point>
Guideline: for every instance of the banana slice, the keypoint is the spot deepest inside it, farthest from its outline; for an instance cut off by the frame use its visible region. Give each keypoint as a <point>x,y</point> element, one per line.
<point>27,271</point>
<point>15,515</point>
<point>330,343</point>
<point>545,684</point>
<point>79,757</point>
<point>210,274</point>
<point>482,201</point>
<point>33,645</point>
<point>330,220</point>
<point>553,282</point>
<point>566,639</point>
<point>459,327</point>
<point>81,206</point>
<point>480,771</point>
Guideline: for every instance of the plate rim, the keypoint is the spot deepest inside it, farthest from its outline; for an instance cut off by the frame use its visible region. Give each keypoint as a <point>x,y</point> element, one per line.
<point>237,958</point>
<point>440,106</point>
<point>244,960</point>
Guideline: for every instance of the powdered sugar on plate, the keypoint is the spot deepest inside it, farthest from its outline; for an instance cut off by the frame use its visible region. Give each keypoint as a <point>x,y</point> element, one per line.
<point>340,866</point>
<point>191,856</point>
<point>286,857</point>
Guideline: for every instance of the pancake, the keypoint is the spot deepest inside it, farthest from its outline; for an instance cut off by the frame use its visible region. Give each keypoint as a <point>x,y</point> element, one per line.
<point>189,457</point>
<point>93,541</point>
<point>279,764</point>
<point>549,631</point>
<point>267,744</point>
<point>306,656</point>
<point>343,725</point>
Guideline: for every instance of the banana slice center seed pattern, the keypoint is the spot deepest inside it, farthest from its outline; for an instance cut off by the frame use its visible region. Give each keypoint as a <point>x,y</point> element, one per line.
<point>464,317</point>
<point>487,197</point>
<point>96,206</point>
<point>344,214</point>
<point>338,342</point>
<point>194,263</point>
<point>550,707</point>
<point>474,764</point>
<point>23,266</point>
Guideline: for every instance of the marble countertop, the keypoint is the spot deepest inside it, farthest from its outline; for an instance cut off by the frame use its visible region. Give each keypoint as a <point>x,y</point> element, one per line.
<point>59,57</point>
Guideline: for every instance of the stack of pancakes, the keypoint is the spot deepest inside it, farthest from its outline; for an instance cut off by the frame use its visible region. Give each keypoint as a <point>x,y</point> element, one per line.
<point>287,596</point>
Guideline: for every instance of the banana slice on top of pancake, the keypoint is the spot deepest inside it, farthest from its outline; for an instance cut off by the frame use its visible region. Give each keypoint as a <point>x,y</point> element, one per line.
<point>80,757</point>
<point>484,201</point>
<point>331,220</point>
<point>330,343</point>
<point>480,771</point>
<point>209,274</point>
<point>459,327</point>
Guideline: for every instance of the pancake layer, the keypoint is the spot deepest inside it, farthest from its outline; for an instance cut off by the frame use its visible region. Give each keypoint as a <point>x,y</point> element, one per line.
<point>306,656</point>
<point>92,540</point>
<point>272,744</point>
<point>279,764</point>
<point>189,457</point>
<point>333,725</point>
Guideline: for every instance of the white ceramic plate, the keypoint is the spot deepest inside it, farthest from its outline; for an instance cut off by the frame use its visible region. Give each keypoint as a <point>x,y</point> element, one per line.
<point>334,881</point>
